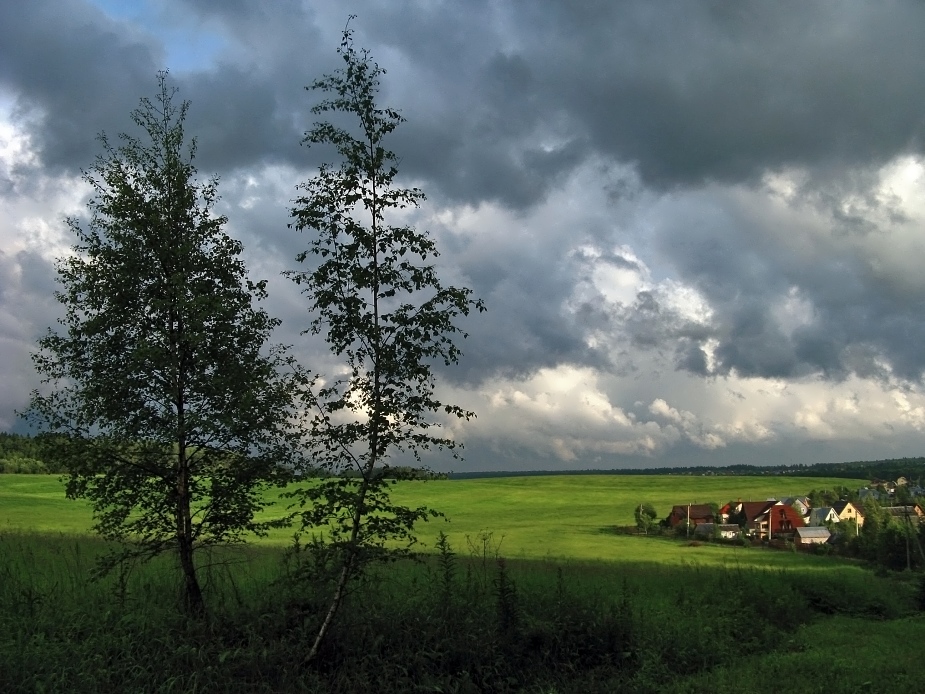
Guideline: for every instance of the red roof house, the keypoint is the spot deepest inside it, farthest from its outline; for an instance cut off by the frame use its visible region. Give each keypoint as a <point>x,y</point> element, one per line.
<point>783,520</point>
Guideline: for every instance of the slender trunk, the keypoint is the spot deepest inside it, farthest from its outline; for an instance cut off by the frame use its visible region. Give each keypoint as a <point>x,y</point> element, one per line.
<point>193,601</point>
<point>352,548</point>
<point>346,572</point>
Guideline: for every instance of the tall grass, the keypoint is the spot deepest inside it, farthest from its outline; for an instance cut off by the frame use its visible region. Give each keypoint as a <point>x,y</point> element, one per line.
<point>463,620</point>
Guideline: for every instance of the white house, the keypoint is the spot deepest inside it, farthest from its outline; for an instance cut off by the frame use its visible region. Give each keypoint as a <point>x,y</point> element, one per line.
<point>822,515</point>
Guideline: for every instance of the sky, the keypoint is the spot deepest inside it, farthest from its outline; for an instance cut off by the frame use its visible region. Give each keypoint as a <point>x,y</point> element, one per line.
<point>698,227</point>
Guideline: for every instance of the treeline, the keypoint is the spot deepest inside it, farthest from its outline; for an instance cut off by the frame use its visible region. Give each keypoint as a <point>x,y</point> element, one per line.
<point>25,455</point>
<point>890,469</point>
<point>396,472</point>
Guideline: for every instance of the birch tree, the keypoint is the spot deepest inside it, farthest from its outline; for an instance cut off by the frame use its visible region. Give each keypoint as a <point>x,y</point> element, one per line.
<point>170,411</point>
<point>376,297</point>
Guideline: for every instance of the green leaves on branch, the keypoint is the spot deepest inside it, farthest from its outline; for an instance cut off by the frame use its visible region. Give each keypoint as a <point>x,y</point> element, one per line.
<point>172,412</point>
<point>376,296</point>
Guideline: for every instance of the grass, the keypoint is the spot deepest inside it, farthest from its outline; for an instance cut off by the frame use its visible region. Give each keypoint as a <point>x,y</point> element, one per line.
<point>574,608</point>
<point>579,626</point>
<point>554,517</point>
<point>839,654</point>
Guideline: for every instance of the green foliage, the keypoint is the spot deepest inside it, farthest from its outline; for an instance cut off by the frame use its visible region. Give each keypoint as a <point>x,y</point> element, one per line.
<point>23,466</point>
<point>567,627</point>
<point>737,517</point>
<point>165,405</point>
<point>823,497</point>
<point>26,455</point>
<point>376,297</point>
<point>645,516</point>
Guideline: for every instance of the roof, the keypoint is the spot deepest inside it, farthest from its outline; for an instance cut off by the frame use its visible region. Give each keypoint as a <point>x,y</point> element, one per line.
<point>822,513</point>
<point>753,509</point>
<point>813,532</point>
<point>696,511</point>
<point>902,510</point>
<point>840,507</point>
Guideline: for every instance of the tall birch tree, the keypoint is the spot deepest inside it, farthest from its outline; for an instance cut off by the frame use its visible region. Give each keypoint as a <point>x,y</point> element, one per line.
<point>169,409</point>
<point>376,297</point>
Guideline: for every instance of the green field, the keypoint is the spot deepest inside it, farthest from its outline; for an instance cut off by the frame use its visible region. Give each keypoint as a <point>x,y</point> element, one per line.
<point>587,609</point>
<point>552,517</point>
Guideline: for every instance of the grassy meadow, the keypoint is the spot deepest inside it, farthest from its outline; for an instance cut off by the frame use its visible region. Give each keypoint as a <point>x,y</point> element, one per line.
<point>552,517</point>
<point>573,607</point>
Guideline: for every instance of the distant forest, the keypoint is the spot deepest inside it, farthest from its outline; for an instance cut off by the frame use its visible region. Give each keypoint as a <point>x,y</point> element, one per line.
<point>20,453</point>
<point>887,470</point>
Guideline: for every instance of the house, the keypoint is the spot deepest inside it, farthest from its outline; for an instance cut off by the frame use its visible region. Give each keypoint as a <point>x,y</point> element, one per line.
<point>781,520</point>
<point>913,514</point>
<point>868,493</point>
<point>697,513</point>
<point>800,503</point>
<point>764,519</point>
<point>804,537</point>
<point>822,516</point>
<point>745,513</point>
<point>847,511</point>
<point>725,531</point>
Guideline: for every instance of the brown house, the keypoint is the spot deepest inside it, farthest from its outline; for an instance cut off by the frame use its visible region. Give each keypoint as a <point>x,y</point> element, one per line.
<point>913,513</point>
<point>697,513</point>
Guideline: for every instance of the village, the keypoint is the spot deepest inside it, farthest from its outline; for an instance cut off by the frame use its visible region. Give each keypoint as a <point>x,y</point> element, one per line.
<point>804,522</point>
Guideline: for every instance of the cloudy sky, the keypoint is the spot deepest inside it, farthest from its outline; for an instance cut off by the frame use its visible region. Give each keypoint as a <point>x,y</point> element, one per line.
<point>699,227</point>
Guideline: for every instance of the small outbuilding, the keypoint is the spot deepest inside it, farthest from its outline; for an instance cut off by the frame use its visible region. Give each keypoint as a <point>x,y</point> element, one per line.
<point>814,535</point>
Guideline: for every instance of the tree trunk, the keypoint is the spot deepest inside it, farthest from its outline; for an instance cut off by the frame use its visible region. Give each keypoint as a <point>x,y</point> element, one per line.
<point>192,593</point>
<point>346,569</point>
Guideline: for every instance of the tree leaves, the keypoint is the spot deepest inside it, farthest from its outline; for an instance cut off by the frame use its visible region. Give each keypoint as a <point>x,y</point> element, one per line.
<point>382,308</point>
<point>173,410</point>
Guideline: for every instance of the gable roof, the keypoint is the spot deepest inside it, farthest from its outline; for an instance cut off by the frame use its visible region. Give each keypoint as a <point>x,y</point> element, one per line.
<point>840,507</point>
<point>913,511</point>
<point>698,513</point>
<point>823,514</point>
<point>812,532</point>
<point>755,509</point>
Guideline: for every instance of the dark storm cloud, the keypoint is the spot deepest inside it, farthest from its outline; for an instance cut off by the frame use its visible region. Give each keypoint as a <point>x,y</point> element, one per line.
<point>506,103</point>
<point>722,91</point>
<point>74,73</point>
<point>503,100</point>
<point>690,92</point>
<point>27,308</point>
<point>527,326</point>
